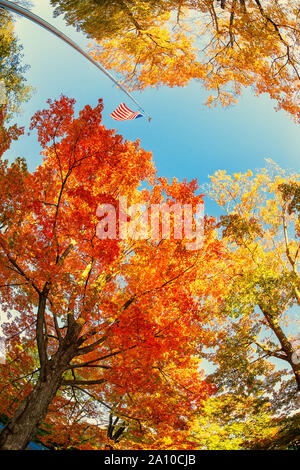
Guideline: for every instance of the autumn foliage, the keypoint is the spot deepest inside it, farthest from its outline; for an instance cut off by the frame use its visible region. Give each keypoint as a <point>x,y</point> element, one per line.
<point>113,330</point>
<point>225,45</point>
<point>115,319</point>
<point>106,336</point>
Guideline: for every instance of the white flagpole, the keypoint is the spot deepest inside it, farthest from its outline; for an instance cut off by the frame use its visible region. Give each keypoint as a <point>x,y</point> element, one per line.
<point>36,19</point>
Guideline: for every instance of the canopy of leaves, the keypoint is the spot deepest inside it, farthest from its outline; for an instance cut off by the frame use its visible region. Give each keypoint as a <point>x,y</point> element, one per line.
<point>233,422</point>
<point>225,45</point>
<point>258,312</point>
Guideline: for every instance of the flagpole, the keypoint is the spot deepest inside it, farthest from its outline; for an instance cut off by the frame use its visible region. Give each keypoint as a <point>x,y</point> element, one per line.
<point>36,19</point>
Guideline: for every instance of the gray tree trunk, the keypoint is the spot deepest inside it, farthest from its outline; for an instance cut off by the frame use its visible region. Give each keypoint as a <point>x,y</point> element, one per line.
<point>23,426</point>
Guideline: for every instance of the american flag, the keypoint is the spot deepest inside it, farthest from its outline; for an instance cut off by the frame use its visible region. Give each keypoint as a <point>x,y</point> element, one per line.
<point>122,113</point>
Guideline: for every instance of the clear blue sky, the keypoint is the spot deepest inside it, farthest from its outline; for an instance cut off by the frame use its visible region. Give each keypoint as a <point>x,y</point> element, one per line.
<point>188,140</point>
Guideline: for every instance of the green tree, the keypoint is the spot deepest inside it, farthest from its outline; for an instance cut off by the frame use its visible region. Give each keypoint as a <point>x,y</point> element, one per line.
<point>257,347</point>
<point>12,69</point>
<point>233,422</point>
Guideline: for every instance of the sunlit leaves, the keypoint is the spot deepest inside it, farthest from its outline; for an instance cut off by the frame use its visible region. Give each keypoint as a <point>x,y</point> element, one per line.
<point>253,43</point>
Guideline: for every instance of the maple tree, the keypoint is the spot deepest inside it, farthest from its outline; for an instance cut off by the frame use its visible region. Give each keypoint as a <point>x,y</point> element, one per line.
<point>113,320</point>
<point>7,134</point>
<point>225,45</point>
<point>113,330</point>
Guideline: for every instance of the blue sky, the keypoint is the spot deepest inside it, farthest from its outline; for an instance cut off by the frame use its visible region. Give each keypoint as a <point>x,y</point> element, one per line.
<point>188,140</point>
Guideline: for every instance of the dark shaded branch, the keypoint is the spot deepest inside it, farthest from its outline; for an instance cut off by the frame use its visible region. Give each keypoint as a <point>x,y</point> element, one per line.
<point>269,352</point>
<point>91,347</point>
<point>83,382</point>
<point>20,271</point>
<point>40,323</point>
<point>87,364</point>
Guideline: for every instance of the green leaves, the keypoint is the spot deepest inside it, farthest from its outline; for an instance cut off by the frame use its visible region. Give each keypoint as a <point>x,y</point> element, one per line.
<point>11,68</point>
<point>291,195</point>
<point>237,228</point>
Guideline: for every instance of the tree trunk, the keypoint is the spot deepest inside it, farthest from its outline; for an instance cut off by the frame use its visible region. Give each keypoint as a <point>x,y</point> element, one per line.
<point>22,427</point>
<point>286,345</point>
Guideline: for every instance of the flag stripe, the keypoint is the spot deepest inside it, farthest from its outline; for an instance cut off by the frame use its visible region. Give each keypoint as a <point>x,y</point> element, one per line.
<point>122,113</point>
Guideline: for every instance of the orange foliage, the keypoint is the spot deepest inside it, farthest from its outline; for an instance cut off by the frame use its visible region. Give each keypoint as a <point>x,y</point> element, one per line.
<point>124,310</point>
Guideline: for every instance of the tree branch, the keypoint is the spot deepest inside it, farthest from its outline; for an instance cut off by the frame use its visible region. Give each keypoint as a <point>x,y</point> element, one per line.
<point>91,347</point>
<point>271,353</point>
<point>83,382</point>
<point>40,322</point>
